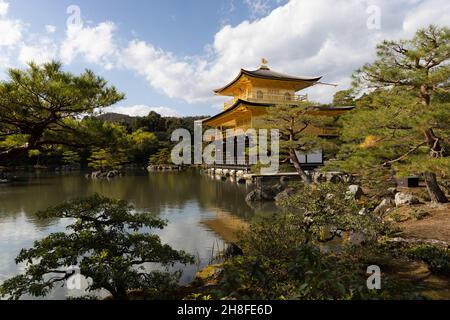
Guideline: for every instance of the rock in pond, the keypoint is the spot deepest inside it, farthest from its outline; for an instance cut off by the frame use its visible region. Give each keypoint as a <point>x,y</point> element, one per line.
<point>285,194</point>
<point>262,194</point>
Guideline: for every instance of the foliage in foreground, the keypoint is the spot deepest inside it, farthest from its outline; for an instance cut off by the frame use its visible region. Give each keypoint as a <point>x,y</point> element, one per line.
<point>437,258</point>
<point>285,256</point>
<point>108,242</point>
<point>329,208</point>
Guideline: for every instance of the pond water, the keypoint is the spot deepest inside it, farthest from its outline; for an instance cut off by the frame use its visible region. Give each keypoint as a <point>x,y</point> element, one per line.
<point>187,200</point>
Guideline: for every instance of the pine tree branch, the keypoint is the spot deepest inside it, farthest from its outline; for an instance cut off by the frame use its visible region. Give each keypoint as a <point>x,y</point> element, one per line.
<point>404,155</point>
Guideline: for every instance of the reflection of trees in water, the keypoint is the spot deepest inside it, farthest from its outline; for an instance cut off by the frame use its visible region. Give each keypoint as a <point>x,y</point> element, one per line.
<point>263,209</point>
<point>152,192</point>
<point>37,193</point>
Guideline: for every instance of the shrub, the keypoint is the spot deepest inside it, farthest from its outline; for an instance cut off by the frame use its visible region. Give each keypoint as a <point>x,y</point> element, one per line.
<point>106,241</point>
<point>328,206</point>
<point>437,258</point>
<point>283,259</point>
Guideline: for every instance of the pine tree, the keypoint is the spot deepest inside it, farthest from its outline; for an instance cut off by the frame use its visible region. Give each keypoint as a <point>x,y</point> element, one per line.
<point>404,123</point>
<point>70,157</point>
<point>39,108</point>
<point>300,130</point>
<point>344,98</point>
<point>107,159</point>
<point>103,241</point>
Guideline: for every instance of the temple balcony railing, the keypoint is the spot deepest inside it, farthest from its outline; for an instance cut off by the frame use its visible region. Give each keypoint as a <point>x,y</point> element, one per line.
<point>328,132</point>
<point>270,99</point>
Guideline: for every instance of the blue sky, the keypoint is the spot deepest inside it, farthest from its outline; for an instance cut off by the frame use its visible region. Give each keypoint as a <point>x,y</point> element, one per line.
<point>184,27</point>
<point>169,55</point>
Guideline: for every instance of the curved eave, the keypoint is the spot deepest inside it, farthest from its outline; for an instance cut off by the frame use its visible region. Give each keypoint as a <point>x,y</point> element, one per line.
<point>330,110</point>
<point>234,107</point>
<point>258,76</point>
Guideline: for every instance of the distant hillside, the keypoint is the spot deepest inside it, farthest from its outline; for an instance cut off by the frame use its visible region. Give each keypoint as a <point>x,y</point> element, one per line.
<point>119,118</point>
<point>153,122</point>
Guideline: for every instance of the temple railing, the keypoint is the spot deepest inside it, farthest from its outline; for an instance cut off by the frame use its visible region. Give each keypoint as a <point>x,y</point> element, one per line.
<point>270,98</point>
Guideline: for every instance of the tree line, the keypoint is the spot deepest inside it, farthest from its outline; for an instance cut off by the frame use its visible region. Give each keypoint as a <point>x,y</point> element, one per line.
<point>49,117</point>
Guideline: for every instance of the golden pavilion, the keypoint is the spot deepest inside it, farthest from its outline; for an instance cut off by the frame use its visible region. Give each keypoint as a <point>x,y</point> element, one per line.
<point>252,92</point>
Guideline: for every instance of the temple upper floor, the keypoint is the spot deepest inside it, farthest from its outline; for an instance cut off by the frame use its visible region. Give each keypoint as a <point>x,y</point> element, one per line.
<point>266,86</point>
<point>267,95</point>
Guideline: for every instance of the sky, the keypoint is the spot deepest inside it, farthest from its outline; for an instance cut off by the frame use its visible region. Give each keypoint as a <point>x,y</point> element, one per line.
<point>169,55</point>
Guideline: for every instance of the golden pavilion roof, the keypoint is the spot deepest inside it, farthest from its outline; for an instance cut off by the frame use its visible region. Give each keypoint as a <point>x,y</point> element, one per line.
<point>265,74</point>
<point>241,105</point>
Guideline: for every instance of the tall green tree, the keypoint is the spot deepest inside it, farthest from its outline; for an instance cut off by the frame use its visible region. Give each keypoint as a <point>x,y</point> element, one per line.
<point>162,157</point>
<point>107,159</point>
<point>70,157</point>
<point>300,129</point>
<point>405,122</point>
<point>106,240</point>
<point>153,122</point>
<point>142,144</point>
<point>344,98</point>
<point>39,107</point>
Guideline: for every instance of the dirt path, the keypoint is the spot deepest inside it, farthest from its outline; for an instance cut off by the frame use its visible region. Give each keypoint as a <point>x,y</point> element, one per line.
<point>435,226</point>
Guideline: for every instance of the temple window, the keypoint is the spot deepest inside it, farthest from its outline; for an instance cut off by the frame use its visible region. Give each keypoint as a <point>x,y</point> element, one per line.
<point>259,95</point>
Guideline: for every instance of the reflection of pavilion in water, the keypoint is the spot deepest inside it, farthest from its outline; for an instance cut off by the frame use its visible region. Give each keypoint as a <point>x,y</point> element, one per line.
<point>225,225</point>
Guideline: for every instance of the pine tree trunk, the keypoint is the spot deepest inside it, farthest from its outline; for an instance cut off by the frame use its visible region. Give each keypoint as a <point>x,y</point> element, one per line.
<point>121,294</point>
<point>436,193</point>
<point>425,95</point>
<point>436,151</point>
<point>298,167</point>
<point>434,143</point>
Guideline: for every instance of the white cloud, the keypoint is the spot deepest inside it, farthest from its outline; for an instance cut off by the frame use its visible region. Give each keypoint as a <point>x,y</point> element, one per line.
<point>10,29</point>
<point>432,11</point>
<point>39,51</point>
<point>310,38</point>
<point>258,7</point>
<point>4,7</point>
<point>94,44</point>
<point>50,28</point>
<point>143,110</point>
<point>187,79</point>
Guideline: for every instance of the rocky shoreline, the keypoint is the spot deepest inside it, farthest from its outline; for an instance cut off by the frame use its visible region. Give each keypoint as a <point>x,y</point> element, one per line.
<point>105,174</point>
<point>165,167</point>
